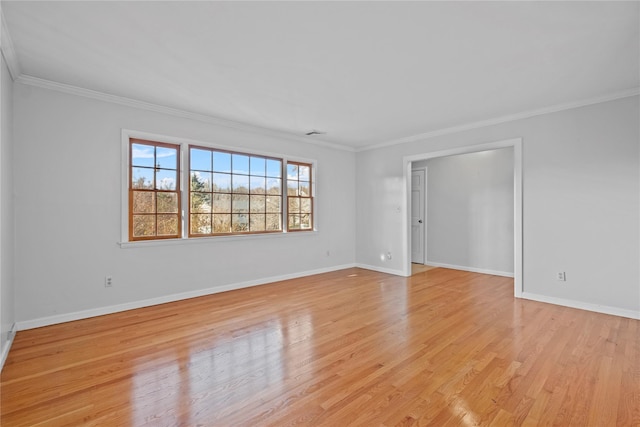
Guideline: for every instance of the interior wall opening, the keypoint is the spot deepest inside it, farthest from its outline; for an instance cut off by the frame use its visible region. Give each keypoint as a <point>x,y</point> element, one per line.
<point>478,217</point>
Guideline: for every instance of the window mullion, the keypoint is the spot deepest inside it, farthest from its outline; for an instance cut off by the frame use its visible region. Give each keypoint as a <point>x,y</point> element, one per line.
<point>185,191</point>
<point>285,196</point>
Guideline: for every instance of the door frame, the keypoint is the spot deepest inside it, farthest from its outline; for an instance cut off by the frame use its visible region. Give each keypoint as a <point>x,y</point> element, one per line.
<point>516,143</point>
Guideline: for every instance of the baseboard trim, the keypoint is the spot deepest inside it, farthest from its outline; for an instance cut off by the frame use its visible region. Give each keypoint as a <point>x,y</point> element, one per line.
<point>604,309</point>
<point>471,269</point>
<point>85,314</point>
<point>101,311</point>
<point>381,269</point>
<point>7,345</point>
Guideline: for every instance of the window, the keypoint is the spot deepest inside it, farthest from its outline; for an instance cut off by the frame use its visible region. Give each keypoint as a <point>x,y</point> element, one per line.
<point>154,190</point>
<point>233,193</point>
<point>299,196</point>
<point>213,192</point>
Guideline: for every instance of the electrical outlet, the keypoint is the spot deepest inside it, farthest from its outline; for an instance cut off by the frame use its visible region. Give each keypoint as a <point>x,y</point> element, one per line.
<point>562,277</point>
<point>108,281</point>
<point>388,255</point>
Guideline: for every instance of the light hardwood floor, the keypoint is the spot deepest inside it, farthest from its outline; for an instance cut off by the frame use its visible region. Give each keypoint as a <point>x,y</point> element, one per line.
<point>352,347</point>
<point>420,268</point>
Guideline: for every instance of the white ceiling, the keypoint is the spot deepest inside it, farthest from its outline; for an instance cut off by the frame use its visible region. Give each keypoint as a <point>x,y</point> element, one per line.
<point>364,72</point>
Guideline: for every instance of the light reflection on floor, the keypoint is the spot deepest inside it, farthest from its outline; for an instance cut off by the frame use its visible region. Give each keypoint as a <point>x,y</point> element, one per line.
<point>217,380</point>
<point>466,416</point>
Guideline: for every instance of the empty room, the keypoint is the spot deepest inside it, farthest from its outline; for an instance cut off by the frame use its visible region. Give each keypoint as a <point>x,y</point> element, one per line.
<point>319,213</point>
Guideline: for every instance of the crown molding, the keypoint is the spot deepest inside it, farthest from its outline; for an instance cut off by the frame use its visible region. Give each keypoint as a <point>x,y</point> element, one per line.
<point>8,52</point>
<point>134,103</point>
<point>101,96</point>
<point>505,119</point>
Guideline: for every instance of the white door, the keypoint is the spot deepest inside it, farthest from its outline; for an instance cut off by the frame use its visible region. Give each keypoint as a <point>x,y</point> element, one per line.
<point>418,191</point>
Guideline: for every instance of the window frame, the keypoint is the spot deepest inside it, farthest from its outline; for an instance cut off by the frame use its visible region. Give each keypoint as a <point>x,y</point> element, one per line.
<point>184,191</point>
<point>310,197</point>
<point>282,178</point>
<point>154,190</point>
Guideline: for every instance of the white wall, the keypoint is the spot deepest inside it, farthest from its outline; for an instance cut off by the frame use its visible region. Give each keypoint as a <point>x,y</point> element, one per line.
<point>470,211</point>
<point>581,207</point>
<point>68,211</point>
<point>7,312</point>
<point>581,196</point>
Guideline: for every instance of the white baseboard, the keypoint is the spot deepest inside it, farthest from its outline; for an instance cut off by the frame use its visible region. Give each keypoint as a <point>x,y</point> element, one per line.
<point>7,345</point>
<point>100,311</point>
<point>85,314</point>
<point>472,269</point>
<point>381,269</point>
<point>615,311</point>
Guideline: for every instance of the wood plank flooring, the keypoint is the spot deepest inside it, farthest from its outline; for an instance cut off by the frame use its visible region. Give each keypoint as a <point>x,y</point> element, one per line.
<point>420,268</point>
<point>352,347</point>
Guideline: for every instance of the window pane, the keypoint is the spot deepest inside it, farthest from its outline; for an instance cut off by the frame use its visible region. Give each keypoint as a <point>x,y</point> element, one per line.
<point>300,203</point>
<point>304,189</point>
<point>305,205</point>
<point>305,221</point>
<point>167,225</point>
<point>221,162</point>
<point>240,204</point>
<point>304,172</point>
<point>142,178</point>
<point>240,164</point>
<point>167,202</point>
<point>274,204</point>
<point>292,188</point>
<point>240,183</point>
<point>222,203</point>
<point>142,155</point>
<point>200,159</point>
<point>166,158</point>
<point>144,225</point>
<point>165,179</point>
<point>274,222</point>
<point>294,205</point>
<point>257,204</point>
<point>257,185</point>
<point>274,186</point>
<point>200,224</point>
<point>154,212</point>
<point>294,222</point>
<point>258,166</point>
<point>144,202</point>
<point>222,182</point>
<point>257,222</point>
<point>239,222</point>
<point>221,223</point>
<point>274,168</point>
<point>200,181</point>
<point>292,171</point>
<point>201,202</point>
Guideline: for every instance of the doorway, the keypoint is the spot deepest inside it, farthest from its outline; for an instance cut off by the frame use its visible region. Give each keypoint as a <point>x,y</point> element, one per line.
<point>517,211</point>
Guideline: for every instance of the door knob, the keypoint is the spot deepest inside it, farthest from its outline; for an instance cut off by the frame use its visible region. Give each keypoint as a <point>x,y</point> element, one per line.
<point>420,221</point>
